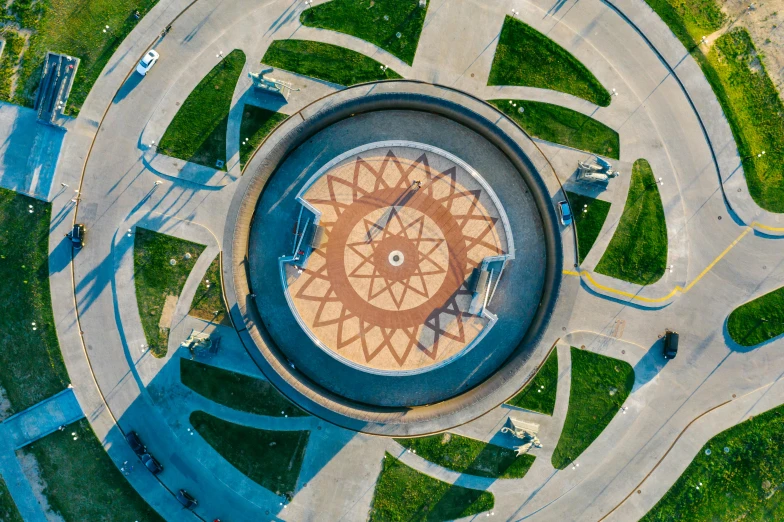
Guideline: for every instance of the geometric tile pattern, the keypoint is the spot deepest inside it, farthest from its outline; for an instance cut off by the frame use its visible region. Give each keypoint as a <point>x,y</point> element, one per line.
<point>387,289</point>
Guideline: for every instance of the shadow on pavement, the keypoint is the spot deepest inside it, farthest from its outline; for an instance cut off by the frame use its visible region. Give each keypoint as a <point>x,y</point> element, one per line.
<point>29,150</point>
<point>129,85</point>
<point>650,365</point>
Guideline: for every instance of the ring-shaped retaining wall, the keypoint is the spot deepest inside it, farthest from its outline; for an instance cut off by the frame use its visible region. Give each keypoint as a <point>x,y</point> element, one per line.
<point>463,109</point>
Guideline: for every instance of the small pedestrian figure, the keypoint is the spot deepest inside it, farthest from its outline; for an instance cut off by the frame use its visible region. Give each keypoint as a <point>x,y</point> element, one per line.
<point>416,185</point>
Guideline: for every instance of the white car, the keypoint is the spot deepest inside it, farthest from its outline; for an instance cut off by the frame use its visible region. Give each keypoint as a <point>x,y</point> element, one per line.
<point>147,62</point>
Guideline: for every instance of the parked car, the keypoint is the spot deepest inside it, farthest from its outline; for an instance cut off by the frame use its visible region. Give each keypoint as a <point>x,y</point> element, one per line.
<point>187,501</point>
<point>150,463</point>
<point>670,344</point>
<point>146,63</point>
<point>136,444</point>
<point>566,213</point>
<point>76,235</point>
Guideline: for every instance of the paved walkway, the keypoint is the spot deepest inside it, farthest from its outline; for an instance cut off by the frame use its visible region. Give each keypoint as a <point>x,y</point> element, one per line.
<point>655,119</point>
<point>41,419</point>
<point>24,428</point>
<point>28,152</point>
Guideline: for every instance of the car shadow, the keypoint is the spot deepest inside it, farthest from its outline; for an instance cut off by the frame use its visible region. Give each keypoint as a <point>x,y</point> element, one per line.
<point>129,85</point>
<point>650,364</point>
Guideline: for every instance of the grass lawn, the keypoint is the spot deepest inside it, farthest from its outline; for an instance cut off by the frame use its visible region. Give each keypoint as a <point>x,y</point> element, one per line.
<point>745,91</point>
<point>589,223</point>
<point>404,494</point>
<point>8,511</point>
<point>236,390</point>
<point>82,482</point>
<point>743,483</point>
<point>690,20</point>
<point>561,125</point>
<point>156,279</point>
<point>272,459</point>
<point>73,27</point>
<point>539,394</point>
<point>470,456</point>
<point>31,366</point>
<point>377,21</point>
<point>759,320</point>
<point>256,125</point>
<point>600,386</point>
<point>209,297</point>
<point>198,131</point>
<point>14,45</point>
<point>755,113</point>
<point>525,56</point>
<point>326,62</point>
<point>638,249</point>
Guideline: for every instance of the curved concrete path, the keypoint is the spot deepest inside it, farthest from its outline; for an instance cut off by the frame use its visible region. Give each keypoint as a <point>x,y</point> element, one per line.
<point>655,120</point>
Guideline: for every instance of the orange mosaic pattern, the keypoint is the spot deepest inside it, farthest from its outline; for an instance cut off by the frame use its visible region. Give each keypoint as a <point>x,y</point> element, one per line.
<point>404,228</point>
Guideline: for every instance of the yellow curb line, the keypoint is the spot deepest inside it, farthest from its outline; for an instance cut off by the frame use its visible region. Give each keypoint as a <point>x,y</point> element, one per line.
<point>767,227</point>
<point>678,288</point>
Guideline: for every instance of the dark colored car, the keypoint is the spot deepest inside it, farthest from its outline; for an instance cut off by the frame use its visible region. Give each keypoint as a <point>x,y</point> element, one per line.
<point>76,235</point>
<point>150,463</point>
<point>670,344</point>
<point>187,501</point>
<point>136,444</point>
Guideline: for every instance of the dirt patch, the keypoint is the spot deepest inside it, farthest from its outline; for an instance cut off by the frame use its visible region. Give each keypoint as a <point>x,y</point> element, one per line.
<point>765,23</point>
<point>168,311</point>
<point>33,474</point>
<point>5,405</point>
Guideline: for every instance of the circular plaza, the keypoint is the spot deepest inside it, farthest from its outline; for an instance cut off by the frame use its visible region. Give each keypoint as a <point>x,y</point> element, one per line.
<point>397,252</point>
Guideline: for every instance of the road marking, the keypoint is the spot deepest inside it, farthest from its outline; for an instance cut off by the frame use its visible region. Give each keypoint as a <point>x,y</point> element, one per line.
<point>767,227</point>
<point>587,275</point>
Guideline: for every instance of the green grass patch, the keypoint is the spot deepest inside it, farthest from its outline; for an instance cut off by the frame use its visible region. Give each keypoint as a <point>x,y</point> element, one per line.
<point>539,394</point>
<point>198,131</point>
<point>326,62</point>
<point>561,125</point>
<point>14,45</point>
<point>31,365</point>
<point>759,320</point>
<point>743,483</point>
<point>376,21</point>
<point>75,28</point>
<point>690,20</point>
<point>745,91</point>
<point>8,510</point>
<point>157,279</point>
<point>524,56</point>
<point>755,112</point>
<point>272,459</point>
<point>256,124</point>
<point>82,482</point>
<point>236,390</point>
<point>209,297</point>
<point>599,388</point>
<point>404,494</point>
<point>638,249</point>
<point>588,220</point>
<point>470,456</point>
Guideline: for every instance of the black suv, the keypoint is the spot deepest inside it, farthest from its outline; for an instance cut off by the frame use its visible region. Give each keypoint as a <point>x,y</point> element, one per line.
<point>136,443</point>
<point>187,500</point>
<point>76,235</point>
<point>150,463</point>
<point>670,344</point>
